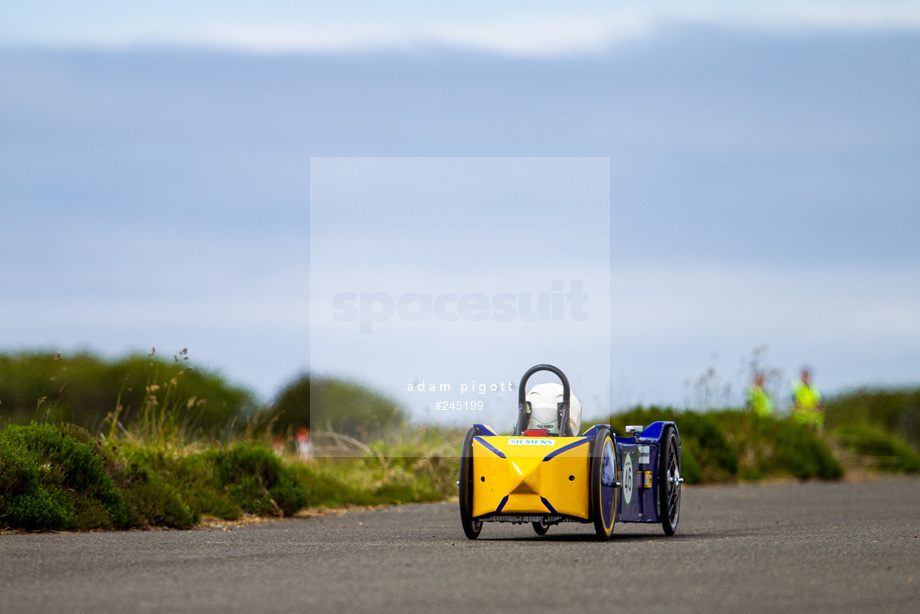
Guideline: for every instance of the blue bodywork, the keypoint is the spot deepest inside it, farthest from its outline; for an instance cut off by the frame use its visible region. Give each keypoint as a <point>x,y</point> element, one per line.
<point>638,473</point>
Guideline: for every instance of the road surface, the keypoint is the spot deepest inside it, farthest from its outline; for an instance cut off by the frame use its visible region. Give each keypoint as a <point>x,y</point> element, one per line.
<point>816,547</point>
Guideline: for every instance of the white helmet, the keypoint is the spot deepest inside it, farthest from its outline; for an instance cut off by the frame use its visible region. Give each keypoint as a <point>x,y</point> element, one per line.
<point>544,400</point>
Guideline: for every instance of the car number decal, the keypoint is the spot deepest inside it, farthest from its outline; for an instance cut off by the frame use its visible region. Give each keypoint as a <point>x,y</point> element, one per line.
<point>628,478</point>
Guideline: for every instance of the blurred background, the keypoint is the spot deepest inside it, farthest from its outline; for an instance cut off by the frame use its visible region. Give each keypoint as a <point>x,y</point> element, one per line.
<point>155,172</point>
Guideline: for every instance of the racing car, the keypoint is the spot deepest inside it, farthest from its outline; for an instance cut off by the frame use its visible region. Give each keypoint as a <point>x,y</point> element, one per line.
<point>546,474</point>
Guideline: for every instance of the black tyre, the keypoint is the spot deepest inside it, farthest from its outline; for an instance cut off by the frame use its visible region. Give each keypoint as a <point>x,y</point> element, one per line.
<point>603,484</point>
<point>669,481</point>
<point>471,527</point>
<point>540,528</point>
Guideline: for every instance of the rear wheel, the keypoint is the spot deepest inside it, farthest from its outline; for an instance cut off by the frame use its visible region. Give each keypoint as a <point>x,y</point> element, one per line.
<point>669,481</point>
<point>603,484</point>
<point>540,528</point>
<point>471,527</point>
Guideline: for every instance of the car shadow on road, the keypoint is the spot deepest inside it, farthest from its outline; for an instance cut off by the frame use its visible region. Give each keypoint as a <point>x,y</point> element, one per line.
<point>591,537</point>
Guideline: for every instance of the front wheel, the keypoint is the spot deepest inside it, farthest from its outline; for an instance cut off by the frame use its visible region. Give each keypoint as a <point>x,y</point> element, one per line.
<point>603,484</point>
<point>669,481</point>
<point>540,528</point>
<point>471,527</point>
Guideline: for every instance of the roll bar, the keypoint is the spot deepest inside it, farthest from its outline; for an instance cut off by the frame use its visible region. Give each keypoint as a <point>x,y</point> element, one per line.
<point>524,410</point>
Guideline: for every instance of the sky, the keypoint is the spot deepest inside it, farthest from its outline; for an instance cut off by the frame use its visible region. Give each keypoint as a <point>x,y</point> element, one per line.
<point>459,268</point>
<point>155,179</point>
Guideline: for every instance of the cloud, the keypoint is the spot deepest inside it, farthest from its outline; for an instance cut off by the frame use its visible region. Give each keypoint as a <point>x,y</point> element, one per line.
<point>535,37</point>
<point>576,32</point>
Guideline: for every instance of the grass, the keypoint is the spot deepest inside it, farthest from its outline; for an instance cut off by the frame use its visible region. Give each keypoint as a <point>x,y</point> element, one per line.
<point>162,458</point>
<point>58,478</point>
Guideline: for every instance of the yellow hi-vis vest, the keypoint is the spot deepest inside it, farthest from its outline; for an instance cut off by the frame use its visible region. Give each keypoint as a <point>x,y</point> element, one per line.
<point>759,401</point>
<point>806,405</point>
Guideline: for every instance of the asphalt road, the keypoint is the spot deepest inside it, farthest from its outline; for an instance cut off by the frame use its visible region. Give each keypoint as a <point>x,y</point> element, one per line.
<point>850,547</point>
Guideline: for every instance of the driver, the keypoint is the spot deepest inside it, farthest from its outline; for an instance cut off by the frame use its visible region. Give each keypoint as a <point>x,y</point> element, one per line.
<point>544,401</point>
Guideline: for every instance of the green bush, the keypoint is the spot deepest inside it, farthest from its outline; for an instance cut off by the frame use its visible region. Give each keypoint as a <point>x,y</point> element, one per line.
<point>879,450</point>
<point>291,408</point>
<point>152,500</point>
<point>803,454</point>
<point>26,499</point>
<point>257,480</point>
<point>347,407</point>
<point>83,389</point>
<point>225,483</point>
<point>59,478</point>
<point>728,445</point>
<point>893,411</point>
<point>775,447</point>
<point>192,478</point>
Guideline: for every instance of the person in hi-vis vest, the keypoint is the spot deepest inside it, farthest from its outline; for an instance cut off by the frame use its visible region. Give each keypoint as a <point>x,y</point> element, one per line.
<point>758,400</point>
<point>807,407</point>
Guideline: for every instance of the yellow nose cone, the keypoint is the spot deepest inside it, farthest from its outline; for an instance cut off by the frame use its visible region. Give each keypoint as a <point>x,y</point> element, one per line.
<point>529,476</point>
